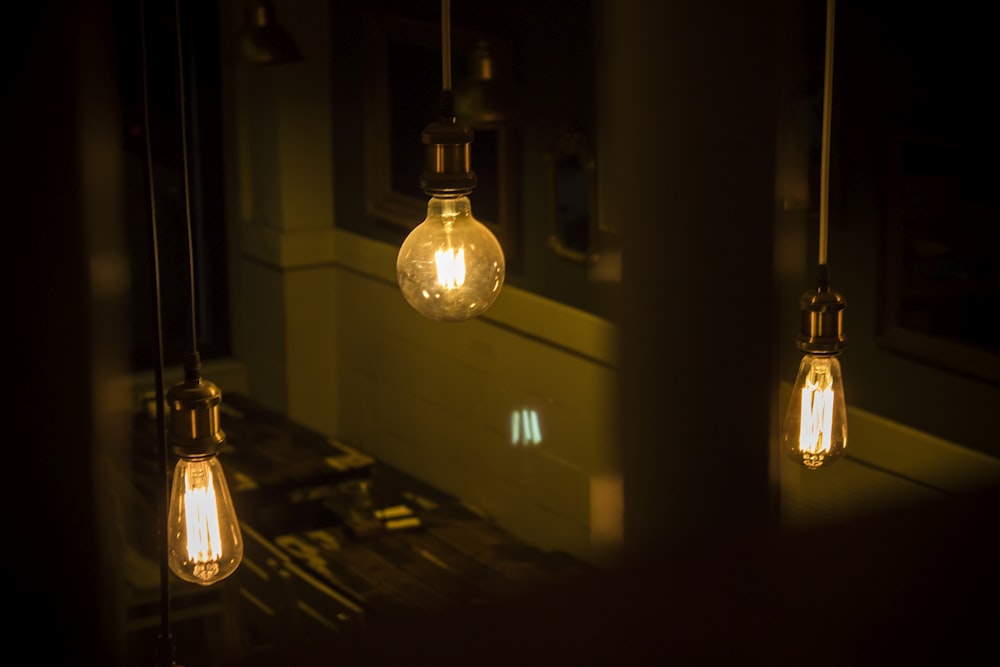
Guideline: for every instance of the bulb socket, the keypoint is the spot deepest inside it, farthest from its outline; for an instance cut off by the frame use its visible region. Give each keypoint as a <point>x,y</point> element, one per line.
<point>822,322</point>
<point>447,159</point>
<point>194,430</point>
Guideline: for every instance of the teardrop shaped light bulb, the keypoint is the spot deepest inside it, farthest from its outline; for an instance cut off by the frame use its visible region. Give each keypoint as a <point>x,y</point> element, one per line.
<point>451,267</point>
<point>814,433</point>
<point>205,542</point>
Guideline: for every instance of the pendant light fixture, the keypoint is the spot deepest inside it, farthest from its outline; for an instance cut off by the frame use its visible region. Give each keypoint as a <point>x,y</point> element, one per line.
<point>450,267</point>
<point>205,543</point>
<point>263,41</point>
<point>814,432</point>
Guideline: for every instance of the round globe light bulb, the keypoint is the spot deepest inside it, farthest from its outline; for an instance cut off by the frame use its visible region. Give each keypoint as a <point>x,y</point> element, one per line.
<point>451,267</point>
<point>814,433</point>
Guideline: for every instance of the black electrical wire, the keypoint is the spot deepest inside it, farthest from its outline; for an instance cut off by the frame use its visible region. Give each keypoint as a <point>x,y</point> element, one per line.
<point>824,184</point>
<point>165,648</point>
<point>447,101</point>
<point>446,45</point>
<point>192,363</point>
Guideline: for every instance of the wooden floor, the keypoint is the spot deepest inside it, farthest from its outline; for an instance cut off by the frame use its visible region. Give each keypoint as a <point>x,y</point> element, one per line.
<point>325,581</point>
<point>343,556</point>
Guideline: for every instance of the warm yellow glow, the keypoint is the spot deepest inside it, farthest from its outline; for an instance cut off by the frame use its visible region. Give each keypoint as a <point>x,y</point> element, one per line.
<point>816,418</point>
<point>607,509</point>
<point>450,267</point>
<point>202,516</point>
<point>815,429</point>
<point>205,543</point>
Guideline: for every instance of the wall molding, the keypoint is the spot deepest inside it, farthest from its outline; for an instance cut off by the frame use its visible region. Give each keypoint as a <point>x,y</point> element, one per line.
<point>286,249</point>
<point>527,313</point>
<point>909,454</point>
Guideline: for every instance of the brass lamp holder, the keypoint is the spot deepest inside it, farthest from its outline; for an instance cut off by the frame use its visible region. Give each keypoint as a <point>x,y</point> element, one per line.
<point>447,154</point>
<point>195,431</point>
<point>822,321</point>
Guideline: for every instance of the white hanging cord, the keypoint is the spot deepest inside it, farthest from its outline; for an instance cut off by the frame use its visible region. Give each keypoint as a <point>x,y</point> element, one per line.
<point>824,186</point>
<point>446,45</point>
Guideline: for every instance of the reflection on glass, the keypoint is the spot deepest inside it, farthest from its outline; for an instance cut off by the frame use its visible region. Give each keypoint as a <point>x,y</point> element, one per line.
<point>524,428</point>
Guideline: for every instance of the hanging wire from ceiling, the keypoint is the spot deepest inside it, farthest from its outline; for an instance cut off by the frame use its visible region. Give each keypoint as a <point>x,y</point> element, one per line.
<point>824,184</point>
<point>164,649</point>
<point>446,45</point>
<point>185,178</point>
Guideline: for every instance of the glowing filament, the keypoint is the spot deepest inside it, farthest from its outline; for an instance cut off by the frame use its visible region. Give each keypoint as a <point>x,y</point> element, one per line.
<point>450,267</point>
<point>816,420</point>
<point>201,515</point>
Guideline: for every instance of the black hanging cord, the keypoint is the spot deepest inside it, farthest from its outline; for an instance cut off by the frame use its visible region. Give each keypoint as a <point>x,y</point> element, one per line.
<point>447,102</point>
<point>192,363</point>
<point>446,44</point>
<point>165,647</point>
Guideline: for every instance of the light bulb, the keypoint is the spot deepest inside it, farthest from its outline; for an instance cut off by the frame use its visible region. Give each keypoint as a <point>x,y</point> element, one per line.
<point>205,542</point>
<point>815,428</point>
<point>451,267</point>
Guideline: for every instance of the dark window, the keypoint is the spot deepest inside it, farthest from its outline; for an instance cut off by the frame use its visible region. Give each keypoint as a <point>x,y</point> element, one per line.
<point>199,31</point>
